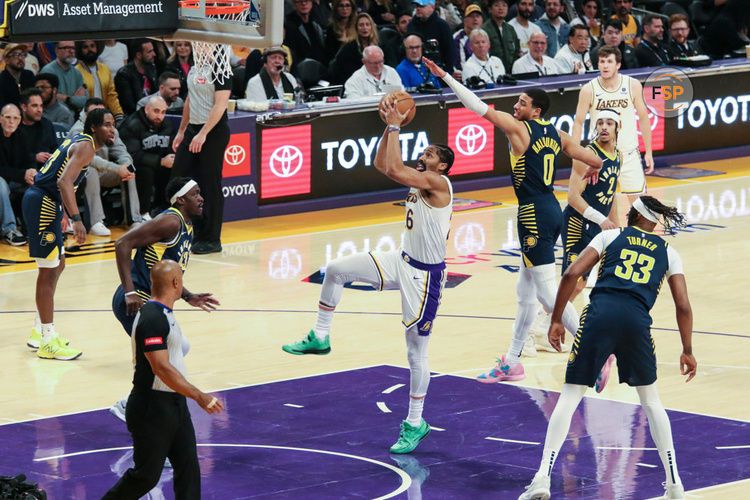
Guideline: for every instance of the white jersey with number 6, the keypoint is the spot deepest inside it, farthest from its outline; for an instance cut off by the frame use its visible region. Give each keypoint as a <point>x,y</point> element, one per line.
<point>427,227</point>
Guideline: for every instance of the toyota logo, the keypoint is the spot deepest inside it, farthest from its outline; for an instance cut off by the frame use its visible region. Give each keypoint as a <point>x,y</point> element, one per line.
<point>285,161</point>
<point>471,139</point>
<point>653,118</point>
<point>234,155</point>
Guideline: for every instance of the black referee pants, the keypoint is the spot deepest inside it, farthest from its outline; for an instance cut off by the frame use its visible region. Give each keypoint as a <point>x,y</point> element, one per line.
<point>161,427</point>
<point>206,168</point>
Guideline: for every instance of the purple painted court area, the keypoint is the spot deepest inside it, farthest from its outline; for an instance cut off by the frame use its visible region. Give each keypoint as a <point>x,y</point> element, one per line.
<point>269,444</point>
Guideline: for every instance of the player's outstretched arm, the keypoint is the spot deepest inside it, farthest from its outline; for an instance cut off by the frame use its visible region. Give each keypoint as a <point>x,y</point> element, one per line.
<point>678,287</point>
<point>575,151</point>
<point>79,155</point>
<point>644,122</point>
<point>575,198</point>
<point>584,104</point>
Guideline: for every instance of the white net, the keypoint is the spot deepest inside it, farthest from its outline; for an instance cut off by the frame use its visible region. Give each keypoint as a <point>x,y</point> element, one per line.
<point>213,60</point>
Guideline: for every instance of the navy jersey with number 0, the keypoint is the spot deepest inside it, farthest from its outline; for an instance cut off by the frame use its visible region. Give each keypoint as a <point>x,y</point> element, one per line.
<point>47,177</point>
<point>178,250</point>
<point>534,171</point>
<point>636,262</point>
<point>601,195</point>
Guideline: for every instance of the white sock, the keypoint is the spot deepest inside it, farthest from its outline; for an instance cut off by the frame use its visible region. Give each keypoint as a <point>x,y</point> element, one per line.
<point>416,405</point>
<point>419,374</point>
<point>525,313</point>
<point>661,431</point>
<point>48,332</point>
<point>37,323</point>
<point>323,321</point>
<point>559,425</point>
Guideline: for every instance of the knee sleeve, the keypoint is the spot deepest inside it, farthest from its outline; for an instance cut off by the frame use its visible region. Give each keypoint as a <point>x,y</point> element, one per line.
<point>525,287</point>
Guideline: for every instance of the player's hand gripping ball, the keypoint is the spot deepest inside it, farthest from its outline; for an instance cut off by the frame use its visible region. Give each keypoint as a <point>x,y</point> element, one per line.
<point>404,104</point>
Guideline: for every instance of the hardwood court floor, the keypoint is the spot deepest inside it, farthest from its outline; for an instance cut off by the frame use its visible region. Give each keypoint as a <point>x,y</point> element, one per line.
<point>260,279</point>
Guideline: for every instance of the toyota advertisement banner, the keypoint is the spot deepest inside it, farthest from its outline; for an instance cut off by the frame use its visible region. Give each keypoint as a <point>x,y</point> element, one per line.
<point>239,176</point>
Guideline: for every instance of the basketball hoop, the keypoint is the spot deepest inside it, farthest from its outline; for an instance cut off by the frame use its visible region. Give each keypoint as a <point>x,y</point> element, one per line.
<point>212,60</point>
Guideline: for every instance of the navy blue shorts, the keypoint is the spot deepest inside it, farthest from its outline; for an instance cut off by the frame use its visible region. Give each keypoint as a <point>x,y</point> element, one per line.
<point>538,227</point>
<point>613,324</point>
<point>43,218</point>
<point>577,233</point>
<point>121,310</point>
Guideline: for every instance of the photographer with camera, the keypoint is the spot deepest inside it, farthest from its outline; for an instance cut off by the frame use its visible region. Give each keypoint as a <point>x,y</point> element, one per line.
<point>481,68</point>
<point>414,74</point>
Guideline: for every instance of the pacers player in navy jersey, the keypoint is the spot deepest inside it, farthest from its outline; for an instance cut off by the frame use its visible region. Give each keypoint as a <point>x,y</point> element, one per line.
<point>534,147</point>
<point>417,269</point>
<point>54,187</point>
<point>634,263</point>
<point>168,236</point>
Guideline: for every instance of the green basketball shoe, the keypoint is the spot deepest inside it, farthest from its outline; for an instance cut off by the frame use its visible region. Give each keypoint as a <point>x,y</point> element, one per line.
<point>410,437</point>
<point>309,345</point>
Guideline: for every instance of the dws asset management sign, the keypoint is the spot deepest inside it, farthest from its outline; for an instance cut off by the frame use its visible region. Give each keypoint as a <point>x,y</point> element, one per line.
<point>55,19</point>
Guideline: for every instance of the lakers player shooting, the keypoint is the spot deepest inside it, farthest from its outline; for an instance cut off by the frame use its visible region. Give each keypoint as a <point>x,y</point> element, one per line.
<point>417,269</point>
<point>611,90</point>
<point>634,263</point>
<point>534,147</point>
<point>54,186</point>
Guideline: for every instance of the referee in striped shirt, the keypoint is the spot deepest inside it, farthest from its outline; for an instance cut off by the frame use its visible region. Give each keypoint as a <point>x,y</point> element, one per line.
<point>157,412</point>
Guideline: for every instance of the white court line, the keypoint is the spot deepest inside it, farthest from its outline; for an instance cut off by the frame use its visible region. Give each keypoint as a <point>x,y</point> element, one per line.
<point>217,262</point>
<point>646,465</point>
<point>623,448</point>
<point>738,447</point>
<point>393,388</point>
<point>439,429</point>
<point>383,407</point>
<point>510,440</point>
<point>290,405</point>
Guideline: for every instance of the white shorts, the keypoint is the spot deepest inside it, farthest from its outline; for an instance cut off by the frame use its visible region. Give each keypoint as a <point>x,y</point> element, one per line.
<point>421,289</point>
<point>632,179</point>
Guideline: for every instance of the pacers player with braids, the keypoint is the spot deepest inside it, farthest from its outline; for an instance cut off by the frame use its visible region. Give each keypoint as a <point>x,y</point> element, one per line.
<point>418,269</point>
<point>54,187</point>
<point>634,261</point>
<point>534,147</point>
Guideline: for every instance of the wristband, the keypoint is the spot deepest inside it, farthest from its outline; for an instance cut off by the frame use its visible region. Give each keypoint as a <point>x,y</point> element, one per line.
<point>594,215</point>
<point>131,293</point>
<point>212,403</point>
<point>76,218</point>
<point>393,128</point>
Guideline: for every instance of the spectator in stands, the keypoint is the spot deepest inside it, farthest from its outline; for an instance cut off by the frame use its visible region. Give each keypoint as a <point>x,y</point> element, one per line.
<point>404,18</point>
<point>504,42</point>
<point>481,65</point>
<point>321,12</point>
<point>97,78</point>
<point>449,13</point>
<point>536,59</point>
<point>14,78</point>
<point>109,168</point>
<point>304,35</point>
<point>71,90</point>
<point>148,137</point>
<point>136,79</point>
<point>523,25</point>
<point>461,46</point>
<point>728,31</point>
<point>180,63</point>
<point>32,62</point>
<point>114,55</point>
<point>272,82</point>
<point>574,57</point>
<point>554,27</point>
<point>16,171</point>
<point>612,36</point>
<point>342,28</point>
<point>590,16</point>
<point>373,77</point>
<point>349,58</point>
<point>36,129</point>
<point>679,45</point>
<point>54,110</point>
<point>412,70</point>
<point>651,51</point>
<point>382,12</point>
<point>430,27</point>
<point>169,90</point>
<point>631,28</point>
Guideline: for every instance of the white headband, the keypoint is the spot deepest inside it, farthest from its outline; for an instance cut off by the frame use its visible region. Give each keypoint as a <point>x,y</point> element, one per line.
<point>610,114</point>
<point>183,191</point>
<point>644,211</point>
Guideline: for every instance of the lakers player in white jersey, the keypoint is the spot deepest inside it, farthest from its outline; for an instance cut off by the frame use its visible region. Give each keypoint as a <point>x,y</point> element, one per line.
<point>417,269</point>
<point>611,90</point>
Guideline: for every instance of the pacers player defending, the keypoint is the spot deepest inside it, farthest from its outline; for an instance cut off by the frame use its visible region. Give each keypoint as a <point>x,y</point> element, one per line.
<point>611,90</point>
<point>54,186</point>
<point>634,263</point>
<point>534,146</point>
<point>418,269</point>
<point>169,236</point>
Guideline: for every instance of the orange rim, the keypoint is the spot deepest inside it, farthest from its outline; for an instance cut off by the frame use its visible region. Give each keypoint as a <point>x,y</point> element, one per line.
<point>218,7</point>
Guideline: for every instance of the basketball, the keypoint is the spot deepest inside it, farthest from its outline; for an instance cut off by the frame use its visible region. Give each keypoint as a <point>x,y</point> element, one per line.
<point>404,103</point>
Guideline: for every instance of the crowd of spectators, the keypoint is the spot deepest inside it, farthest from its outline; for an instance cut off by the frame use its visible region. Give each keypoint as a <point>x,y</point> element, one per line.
<point>367,46</point>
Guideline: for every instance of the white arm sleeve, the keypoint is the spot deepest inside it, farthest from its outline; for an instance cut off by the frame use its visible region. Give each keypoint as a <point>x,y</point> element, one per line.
<point>603,239</point>
<point>675,262</point>
<point>466,96</point>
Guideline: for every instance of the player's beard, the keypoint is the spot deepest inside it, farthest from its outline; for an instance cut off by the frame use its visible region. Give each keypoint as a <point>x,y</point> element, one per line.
<point>421,167</point>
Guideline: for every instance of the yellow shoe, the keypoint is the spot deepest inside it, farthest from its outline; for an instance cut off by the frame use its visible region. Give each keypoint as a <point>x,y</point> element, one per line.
<point>55,349</point>
<point>36,339</point>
